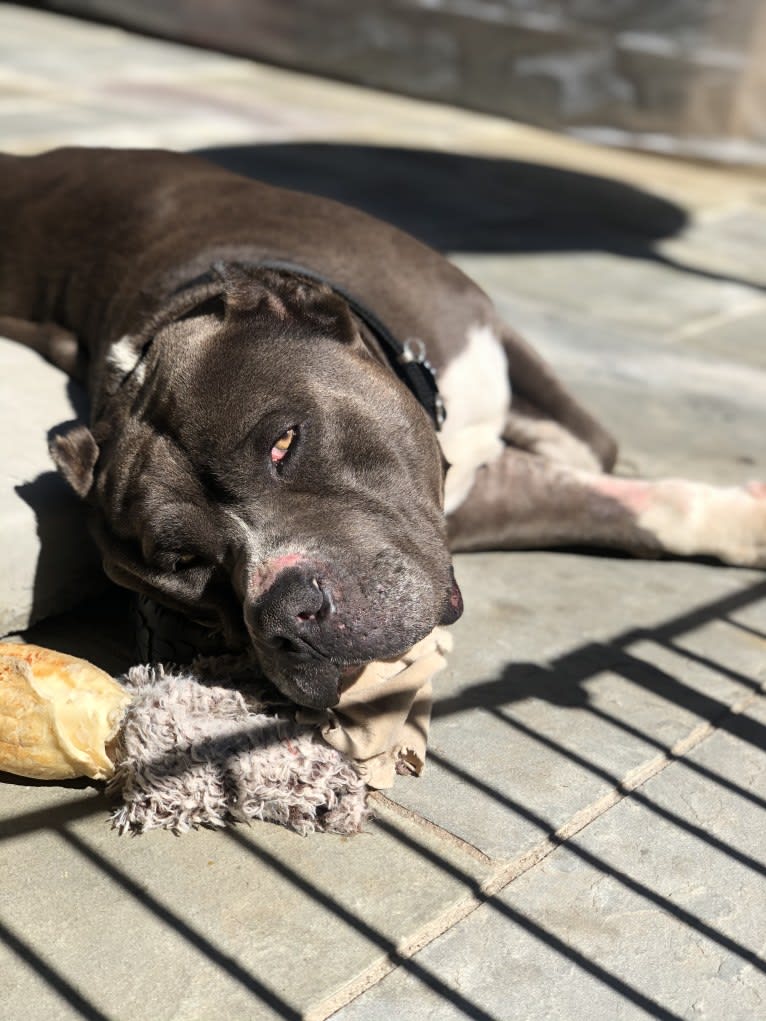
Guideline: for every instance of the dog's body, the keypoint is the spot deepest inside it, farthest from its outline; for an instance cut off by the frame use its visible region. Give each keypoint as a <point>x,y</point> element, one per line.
<point>252,446</point>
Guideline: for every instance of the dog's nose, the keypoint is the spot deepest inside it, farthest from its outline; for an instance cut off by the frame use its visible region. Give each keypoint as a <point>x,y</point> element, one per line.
<point>293,607</point>
<point>313,602</point>
<point>453,609</point>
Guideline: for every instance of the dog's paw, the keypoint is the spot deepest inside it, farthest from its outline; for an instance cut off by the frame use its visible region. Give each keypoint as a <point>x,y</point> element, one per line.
<point>700,520</point>
<point>756,519</point>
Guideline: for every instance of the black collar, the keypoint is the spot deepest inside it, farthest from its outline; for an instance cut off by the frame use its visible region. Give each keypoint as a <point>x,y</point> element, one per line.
<point>408,359</point>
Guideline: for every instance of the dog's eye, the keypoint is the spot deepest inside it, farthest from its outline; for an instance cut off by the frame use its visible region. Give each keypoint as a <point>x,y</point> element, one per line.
<point>186,560</point>
<point>282,446</point>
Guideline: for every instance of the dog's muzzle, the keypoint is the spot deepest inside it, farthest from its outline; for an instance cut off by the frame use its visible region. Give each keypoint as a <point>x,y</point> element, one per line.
<point>310,625</point>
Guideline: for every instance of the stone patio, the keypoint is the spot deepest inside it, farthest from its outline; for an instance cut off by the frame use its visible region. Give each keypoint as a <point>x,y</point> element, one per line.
<point>587,840</point>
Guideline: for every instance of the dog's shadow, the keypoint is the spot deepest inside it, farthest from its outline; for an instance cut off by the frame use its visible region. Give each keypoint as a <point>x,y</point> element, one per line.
<point>60,522</point>
<point>68,571</point>
<point>470,204</point>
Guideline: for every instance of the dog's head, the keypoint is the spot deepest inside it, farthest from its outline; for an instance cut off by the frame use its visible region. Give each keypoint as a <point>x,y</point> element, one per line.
<point>259,470</point>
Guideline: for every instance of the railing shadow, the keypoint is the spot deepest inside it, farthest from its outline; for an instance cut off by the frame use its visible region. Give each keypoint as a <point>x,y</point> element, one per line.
<point>561,681</point>
<point>69,993</point>
<point>427,976</point>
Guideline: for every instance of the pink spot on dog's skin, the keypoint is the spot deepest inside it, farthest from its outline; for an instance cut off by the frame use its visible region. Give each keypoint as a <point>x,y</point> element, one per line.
<point>757,489</point>
<point>265,574</point>
<point>634,495</point>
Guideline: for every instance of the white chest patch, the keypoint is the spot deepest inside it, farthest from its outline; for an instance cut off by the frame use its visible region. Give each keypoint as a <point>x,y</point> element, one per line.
<point>123,358</point>
<point>477,395</point>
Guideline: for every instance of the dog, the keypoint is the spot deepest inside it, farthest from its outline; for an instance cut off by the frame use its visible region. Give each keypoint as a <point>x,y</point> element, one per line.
<point>298,412</point>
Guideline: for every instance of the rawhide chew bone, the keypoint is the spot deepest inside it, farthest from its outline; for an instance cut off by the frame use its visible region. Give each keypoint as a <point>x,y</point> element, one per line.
<point>58,714</point>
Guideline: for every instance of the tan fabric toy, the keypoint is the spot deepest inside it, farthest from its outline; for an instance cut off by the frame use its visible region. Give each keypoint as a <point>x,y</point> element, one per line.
<point>383,717</point>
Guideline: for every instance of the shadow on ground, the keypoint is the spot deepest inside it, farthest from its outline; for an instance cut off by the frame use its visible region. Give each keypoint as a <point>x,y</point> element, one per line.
<point>562,681</point>
<point>473,204</point>
<point>455,202</point>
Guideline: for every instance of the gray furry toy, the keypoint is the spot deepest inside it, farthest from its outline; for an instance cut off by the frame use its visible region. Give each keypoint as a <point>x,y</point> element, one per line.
<point>190,754</point>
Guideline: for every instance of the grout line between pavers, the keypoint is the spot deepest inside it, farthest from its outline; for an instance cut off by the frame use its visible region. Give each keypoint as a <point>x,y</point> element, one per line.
<point>433,828</point>
<point>408,949</point>
<point>693,329</point>
<point>634,779</point>
<point>509,871</point>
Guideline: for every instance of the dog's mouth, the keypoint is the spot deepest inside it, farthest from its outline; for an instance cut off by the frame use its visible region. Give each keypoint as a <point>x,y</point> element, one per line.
<point>308,677</point>
<point>311,681</point>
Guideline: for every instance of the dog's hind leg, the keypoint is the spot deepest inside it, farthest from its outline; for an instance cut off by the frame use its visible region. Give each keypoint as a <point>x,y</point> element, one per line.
<point>523,501</point>
<point>53,342</point>
<point>529,429</point>
<point>543,411</point>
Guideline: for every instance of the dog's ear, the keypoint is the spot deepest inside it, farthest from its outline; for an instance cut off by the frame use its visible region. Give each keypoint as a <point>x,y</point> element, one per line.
<point>75,453</point>
<point>291,303</point>
<point>202,297</point>
<point>199,300</point>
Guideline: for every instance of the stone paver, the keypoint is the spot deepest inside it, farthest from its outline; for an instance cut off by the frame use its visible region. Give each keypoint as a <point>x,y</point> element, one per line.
<point>728,243</point>
<point>562,684</point>
<point>655,910</point>
<point>573,676</point>
<point>622,290</point>
<point>742,337</point>
<point>676,408</point>
<point>252,922</point>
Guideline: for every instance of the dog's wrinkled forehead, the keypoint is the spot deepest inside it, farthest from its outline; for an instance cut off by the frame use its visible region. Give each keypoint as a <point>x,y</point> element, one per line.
<point>227,383</point>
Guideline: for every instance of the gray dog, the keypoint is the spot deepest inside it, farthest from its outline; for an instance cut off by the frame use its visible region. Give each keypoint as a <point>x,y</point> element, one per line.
<point>268,451</point>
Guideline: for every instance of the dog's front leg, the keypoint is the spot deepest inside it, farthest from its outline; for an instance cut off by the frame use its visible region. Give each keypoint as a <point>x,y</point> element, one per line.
<point>523,501</point>
<point>693,518</point>
<point>53,342</point>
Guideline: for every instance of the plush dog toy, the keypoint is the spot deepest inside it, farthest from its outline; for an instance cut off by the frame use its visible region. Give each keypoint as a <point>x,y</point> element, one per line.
<point>181,752</point>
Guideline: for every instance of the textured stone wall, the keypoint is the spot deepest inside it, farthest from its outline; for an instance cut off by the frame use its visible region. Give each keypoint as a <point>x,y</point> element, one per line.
<point>682,76</point>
